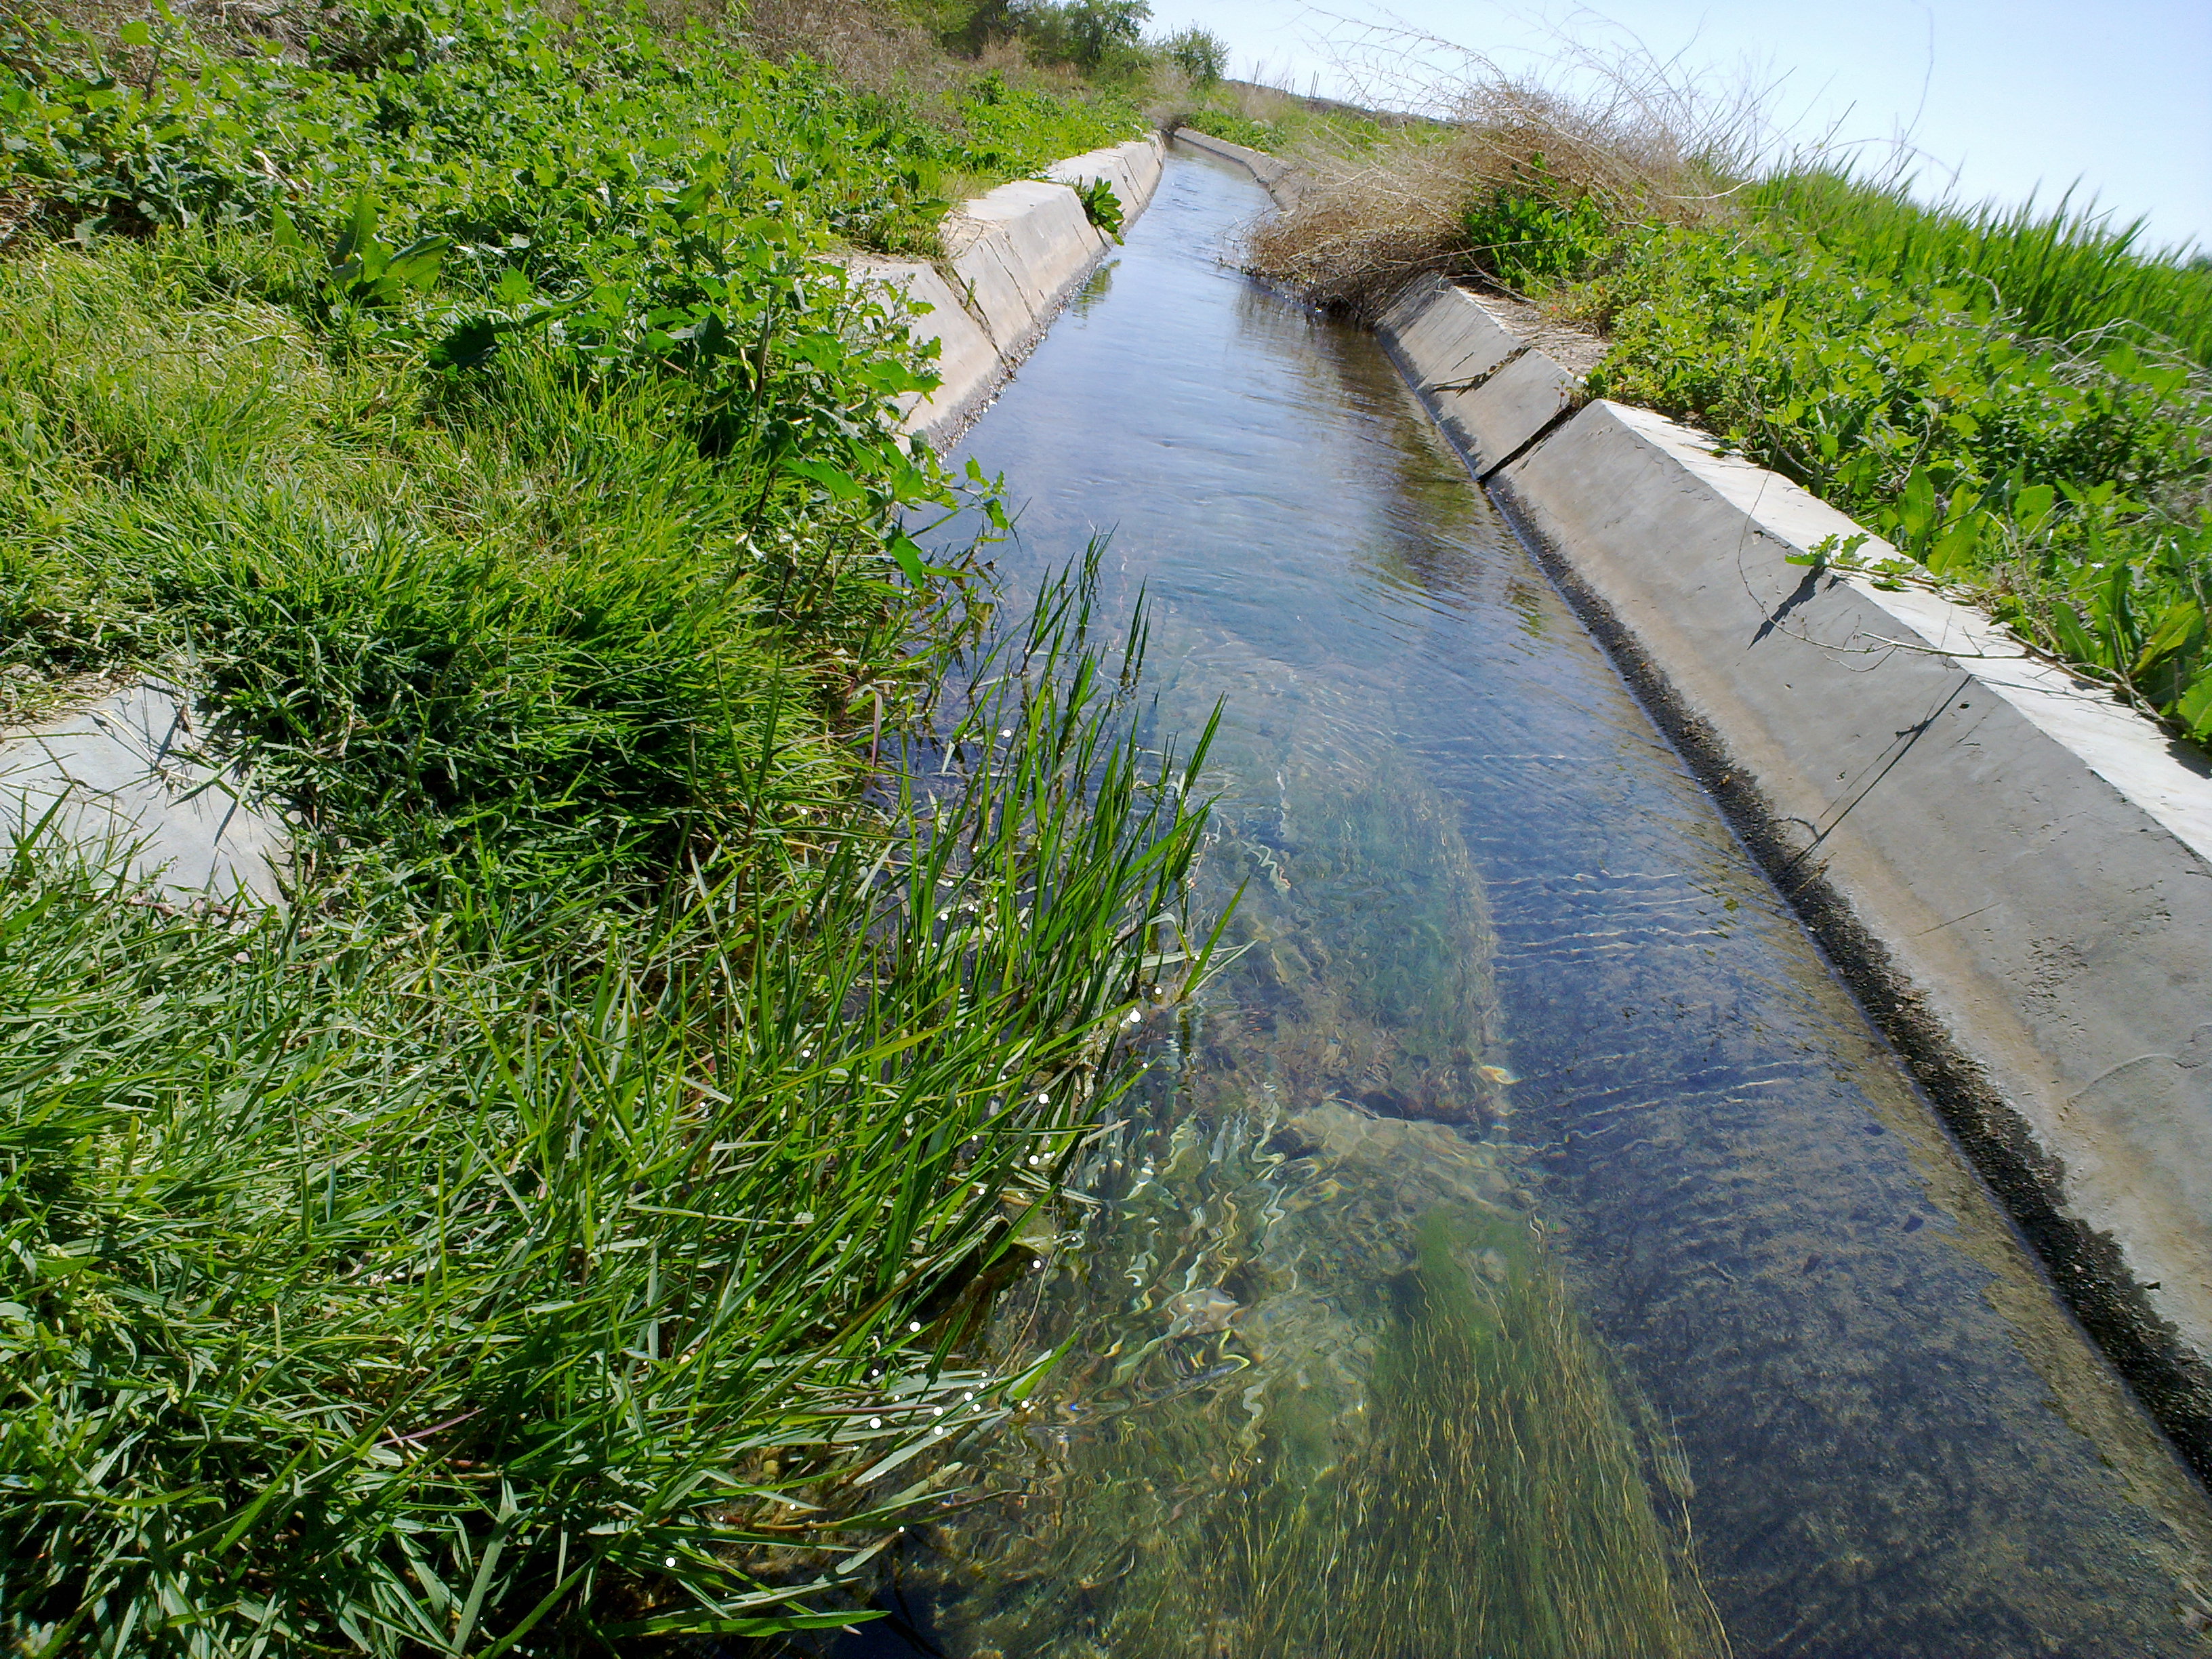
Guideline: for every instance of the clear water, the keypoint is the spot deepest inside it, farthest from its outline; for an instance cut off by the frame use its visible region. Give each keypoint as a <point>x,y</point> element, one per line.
<point>1527,1248</point>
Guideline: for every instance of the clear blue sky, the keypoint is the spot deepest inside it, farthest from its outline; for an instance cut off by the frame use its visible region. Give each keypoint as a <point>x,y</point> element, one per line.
<point>2011,96</point>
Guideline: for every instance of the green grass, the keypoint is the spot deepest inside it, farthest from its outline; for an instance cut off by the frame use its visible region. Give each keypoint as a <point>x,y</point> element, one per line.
<point>517,617</point>
<point>684,987</point>
<point>2058,273</point>
<point>2016,401</point>
<point>1234,126</point>
<point>1219,114</point>
<point>519,1277</point>
<point>511,507</point>
<point>429,623</point>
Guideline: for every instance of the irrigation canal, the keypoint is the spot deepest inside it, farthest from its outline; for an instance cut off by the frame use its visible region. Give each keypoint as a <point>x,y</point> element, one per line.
<point>1528,1248</point>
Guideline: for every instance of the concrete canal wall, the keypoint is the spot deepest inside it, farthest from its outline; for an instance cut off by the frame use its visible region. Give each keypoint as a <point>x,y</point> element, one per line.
<point>125,773</point>
<point>1011,258</point>
<point>2014,870</point>
<point>1270,170</point>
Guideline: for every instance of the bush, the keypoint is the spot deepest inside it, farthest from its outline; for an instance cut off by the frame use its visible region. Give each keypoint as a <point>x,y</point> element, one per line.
<point>1201,55</point>
<point>1514,170</point>
<point>1525,236</point>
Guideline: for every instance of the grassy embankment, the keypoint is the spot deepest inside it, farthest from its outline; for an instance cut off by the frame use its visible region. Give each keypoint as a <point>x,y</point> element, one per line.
<point>1267,118</point>
<point>2020,400</point>
<point>506,1247</point>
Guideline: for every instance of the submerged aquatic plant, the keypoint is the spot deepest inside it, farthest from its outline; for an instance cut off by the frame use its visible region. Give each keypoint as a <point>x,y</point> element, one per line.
<point>1343,1452</point>
<point>1322,1392</point>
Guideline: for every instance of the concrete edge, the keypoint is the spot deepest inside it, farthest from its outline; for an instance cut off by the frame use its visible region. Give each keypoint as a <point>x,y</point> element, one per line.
<point>1013,256</point>
<point>2013,871</point>
<point>124,780</point>
<point>1270,170</point>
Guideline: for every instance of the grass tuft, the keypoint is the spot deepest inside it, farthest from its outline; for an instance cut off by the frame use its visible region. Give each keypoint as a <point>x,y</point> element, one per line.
<point>427,1282</point>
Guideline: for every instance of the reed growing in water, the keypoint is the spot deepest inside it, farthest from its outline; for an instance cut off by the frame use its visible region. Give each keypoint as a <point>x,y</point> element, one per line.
<point>1321,1391</point>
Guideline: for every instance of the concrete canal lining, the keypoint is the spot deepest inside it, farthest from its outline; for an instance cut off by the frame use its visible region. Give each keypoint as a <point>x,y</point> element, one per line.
<point>125,776</point>
<point>1270,170</point>
<point>1011,258</point>
<point>2013,870</point>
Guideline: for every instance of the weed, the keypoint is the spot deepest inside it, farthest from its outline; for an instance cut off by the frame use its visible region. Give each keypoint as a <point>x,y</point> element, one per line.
<point>1101,206</point>
<point>524,1270</point>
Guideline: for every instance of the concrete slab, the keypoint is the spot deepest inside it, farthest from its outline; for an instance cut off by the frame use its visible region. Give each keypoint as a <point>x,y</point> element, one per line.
<point>2014,869</point>
<point>1444,338</point>
<point>1133,169</point>
<point>982,267</point>
<point>125,776</point>
<point>1013,256</point>
<point>1492,416</point>
<point>1037,233</point>
<point>1109,165</point>
<point>1123,160</point>
<point>1147,159</point>
<point>966,358</point>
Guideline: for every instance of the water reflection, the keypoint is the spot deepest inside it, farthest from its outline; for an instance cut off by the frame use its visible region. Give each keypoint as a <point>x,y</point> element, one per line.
<point>1528,1249</point>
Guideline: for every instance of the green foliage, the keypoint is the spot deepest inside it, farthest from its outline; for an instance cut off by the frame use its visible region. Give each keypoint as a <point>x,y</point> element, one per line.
<point>2057,274</point>
<point>1095,35</point>
<point>1101,206</point>
<point>1094,27</point>
<point>427,1284</point>
<point>1234,128</point>
<point>474,491</point>
<point>1340,130</point>
<point>1200,54</point>
<point>537,148</point>
<point>1525,238</point>
<point>519,616</point>
<point>1009,124</point>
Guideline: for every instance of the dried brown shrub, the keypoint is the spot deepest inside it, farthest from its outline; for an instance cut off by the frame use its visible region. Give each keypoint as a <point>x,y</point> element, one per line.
<point>240,26</point>
<point>1643,145</point>
<point>1257,101</point>
<point>865,43</point>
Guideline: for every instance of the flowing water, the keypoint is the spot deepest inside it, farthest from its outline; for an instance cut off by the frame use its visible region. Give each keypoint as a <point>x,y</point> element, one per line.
<point>1526,1247</point>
